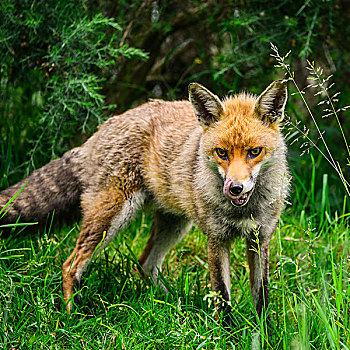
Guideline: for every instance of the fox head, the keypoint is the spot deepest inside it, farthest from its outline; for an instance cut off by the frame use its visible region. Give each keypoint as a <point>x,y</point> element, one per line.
<point>241,135</point>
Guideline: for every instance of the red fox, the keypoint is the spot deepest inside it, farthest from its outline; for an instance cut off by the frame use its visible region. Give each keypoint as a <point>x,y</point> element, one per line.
<point>218,163</point>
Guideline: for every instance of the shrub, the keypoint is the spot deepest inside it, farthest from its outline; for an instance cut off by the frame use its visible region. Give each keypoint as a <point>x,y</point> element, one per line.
<point>54,57</point>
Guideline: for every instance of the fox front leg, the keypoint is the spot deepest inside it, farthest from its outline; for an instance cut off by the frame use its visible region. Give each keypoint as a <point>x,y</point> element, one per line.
<point>258,260</point>
<point>219,267</point>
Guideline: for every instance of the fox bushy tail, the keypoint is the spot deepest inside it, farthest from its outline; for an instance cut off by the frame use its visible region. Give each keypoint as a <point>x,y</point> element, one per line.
<point>54,188</point>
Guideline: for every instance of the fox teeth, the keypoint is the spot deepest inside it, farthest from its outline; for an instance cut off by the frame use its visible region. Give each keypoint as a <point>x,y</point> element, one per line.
<point>241,200</point>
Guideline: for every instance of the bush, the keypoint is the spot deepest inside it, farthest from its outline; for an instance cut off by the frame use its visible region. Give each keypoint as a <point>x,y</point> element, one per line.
<point>54,58</point>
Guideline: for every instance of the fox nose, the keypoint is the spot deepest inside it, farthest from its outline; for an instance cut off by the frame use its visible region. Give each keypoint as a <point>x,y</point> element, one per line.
<point>236,189</point>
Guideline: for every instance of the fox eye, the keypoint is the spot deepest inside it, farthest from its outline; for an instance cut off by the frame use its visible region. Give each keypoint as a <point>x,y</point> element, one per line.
<point>221,153</point>
<point>254,152</point>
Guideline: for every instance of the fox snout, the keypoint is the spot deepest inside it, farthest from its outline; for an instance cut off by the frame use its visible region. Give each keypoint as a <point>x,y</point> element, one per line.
<point>238,192</point>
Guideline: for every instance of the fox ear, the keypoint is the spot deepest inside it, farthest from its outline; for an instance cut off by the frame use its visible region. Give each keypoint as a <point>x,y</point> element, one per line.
<point>270,105</point>
<point>207,106</point>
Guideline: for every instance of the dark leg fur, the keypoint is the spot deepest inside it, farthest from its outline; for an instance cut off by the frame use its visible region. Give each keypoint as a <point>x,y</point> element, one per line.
<point>219,260</point>
<point>259,277</point>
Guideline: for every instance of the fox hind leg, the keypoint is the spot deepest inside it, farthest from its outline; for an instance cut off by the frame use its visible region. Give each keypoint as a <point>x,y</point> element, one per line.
<point>167,230</point>
<point>108,215</point>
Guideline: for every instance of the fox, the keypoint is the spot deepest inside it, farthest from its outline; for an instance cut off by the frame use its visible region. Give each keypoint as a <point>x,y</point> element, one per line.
<point>218,163</point>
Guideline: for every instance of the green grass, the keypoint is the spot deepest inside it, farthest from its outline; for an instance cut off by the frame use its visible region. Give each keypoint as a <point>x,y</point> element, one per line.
<point>309,289</point>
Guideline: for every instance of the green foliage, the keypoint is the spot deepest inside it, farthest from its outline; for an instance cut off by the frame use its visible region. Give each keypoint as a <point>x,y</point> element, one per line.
<point>54,57</point>
<point>248,31</point>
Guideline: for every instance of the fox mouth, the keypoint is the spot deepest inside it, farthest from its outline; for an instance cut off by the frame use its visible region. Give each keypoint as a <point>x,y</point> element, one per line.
<point>236,200</point>
<point>242,199</point>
